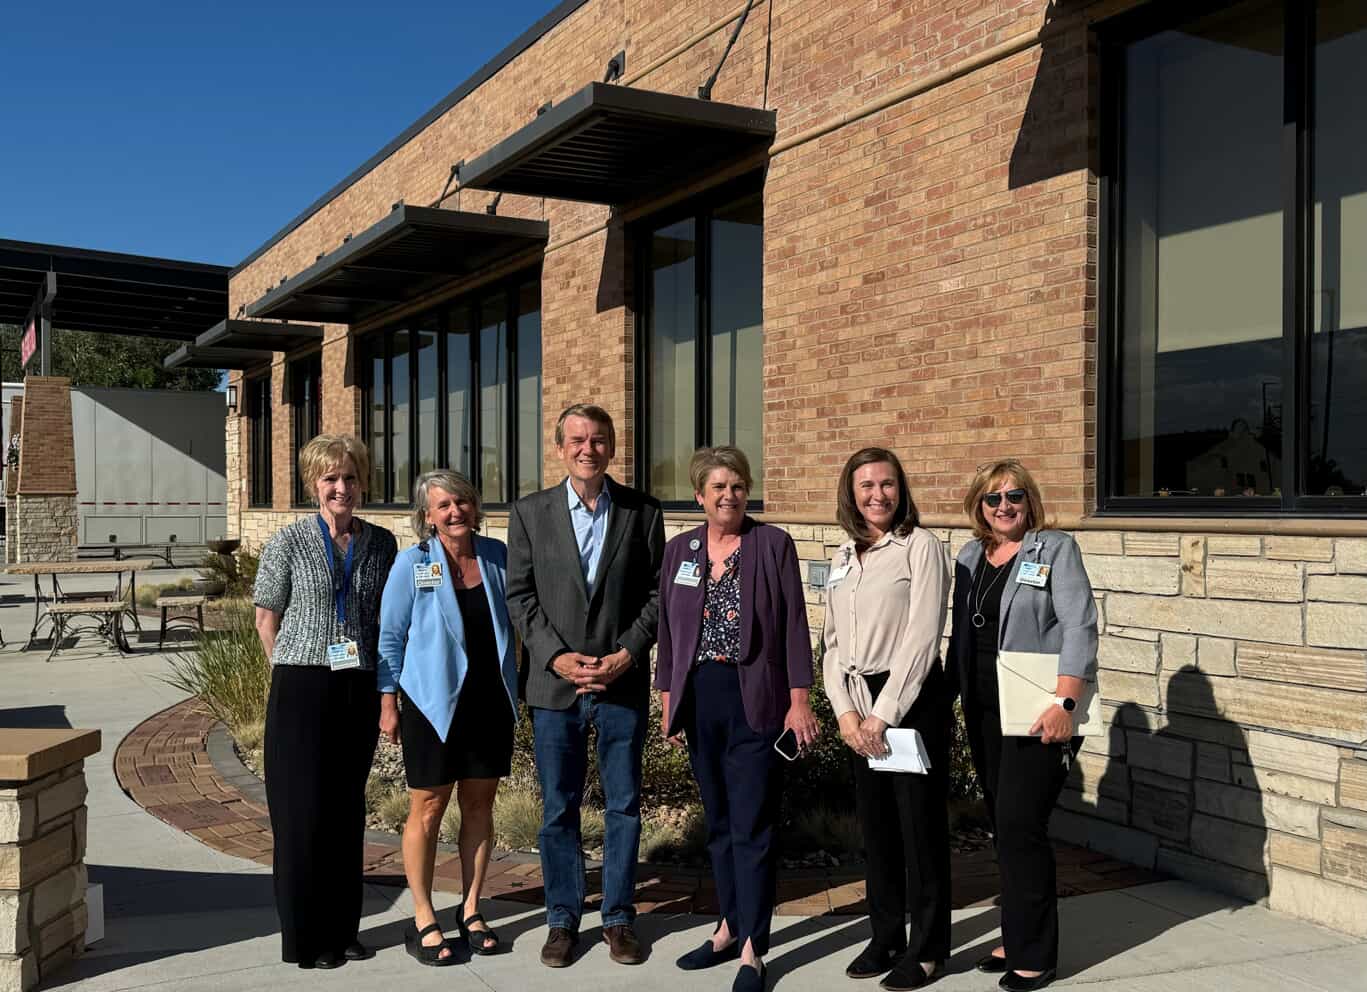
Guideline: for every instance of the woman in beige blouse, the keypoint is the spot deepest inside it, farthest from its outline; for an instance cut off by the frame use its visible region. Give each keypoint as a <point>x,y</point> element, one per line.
<point>885,609</point>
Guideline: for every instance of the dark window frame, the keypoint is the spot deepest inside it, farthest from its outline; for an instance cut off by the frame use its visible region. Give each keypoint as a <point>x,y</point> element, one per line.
<point>441,318</point>
<point>259,442</point>
<point>702,208</point>
<point>304,371</point>
<point>1297,203</point>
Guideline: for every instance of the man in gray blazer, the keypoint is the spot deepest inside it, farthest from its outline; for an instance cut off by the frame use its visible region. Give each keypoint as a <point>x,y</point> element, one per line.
<point>583,591</point>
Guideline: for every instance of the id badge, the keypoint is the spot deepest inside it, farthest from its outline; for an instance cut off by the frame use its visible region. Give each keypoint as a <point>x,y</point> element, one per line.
<point>427,574</point>
<point>837,575</point>
<point>1032,573</point>
<point>689,574</point>
<point>343,655</point>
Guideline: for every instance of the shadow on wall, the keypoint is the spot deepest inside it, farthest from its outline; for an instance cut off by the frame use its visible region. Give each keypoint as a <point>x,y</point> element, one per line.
<point>1178,794</point>
<point>1055,131</point>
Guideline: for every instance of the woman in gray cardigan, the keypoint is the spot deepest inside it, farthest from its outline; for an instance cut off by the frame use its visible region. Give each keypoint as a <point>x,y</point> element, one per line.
<point>318,615</point>
<point>1005,600</point>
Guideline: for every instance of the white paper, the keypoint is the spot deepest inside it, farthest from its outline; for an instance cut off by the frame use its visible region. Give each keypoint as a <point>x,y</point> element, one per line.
<point>908,752</point>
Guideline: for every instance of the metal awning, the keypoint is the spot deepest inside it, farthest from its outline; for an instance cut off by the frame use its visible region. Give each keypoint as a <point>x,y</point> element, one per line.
<point>112,293</point>
<point>405,256</point>
<point>193,356</point>
<point>613,144</point>
<point>259,336</point>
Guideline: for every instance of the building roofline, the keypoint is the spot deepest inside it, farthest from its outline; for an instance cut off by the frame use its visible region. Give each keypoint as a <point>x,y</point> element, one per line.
<point>515,48</point>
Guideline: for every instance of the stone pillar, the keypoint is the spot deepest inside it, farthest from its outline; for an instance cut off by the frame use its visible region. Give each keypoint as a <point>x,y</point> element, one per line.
<point>42,852</point>
<point>16,416</point>
<point>46,521</point>
<point>234,469</point>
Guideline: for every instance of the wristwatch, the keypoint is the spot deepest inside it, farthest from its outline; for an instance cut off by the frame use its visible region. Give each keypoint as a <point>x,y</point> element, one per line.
<point>1068,703</point>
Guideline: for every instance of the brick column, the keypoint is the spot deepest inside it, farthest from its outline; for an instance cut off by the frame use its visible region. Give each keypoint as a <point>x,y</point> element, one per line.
<point>234,470</point>
<point>42,852</point>
<point>46,522</point>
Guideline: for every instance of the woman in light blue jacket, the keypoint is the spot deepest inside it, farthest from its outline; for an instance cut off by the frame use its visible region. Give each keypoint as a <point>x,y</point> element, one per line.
<point>447,675</point>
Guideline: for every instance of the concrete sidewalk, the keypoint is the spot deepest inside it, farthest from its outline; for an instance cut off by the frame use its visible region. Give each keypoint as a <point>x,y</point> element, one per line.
<point>180,915</point>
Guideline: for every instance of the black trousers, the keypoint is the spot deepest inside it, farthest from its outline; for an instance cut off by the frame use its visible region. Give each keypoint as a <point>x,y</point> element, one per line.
<point>1021,781</point>
<point>741,781</point>
<point>321,731</point>
<point>905,822</point>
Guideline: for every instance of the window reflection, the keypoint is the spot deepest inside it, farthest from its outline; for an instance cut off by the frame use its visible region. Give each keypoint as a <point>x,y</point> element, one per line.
<point>425,359</point>
<point>673,361</point>
<point>1337,459</point>
<point>493,397</point>
<point>379,424</point>
<point>399,419</point>
<point>737,317</point>
<point>458,391</point>
<point>529,431</point>
<point>1202,221</point>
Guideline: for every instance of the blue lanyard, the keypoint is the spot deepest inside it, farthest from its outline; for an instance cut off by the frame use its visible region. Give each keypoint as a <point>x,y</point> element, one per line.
<point>339,591</point>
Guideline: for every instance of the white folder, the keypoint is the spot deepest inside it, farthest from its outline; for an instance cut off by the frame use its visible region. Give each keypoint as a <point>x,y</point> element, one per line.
<point>1026,684</point>
<point>906,752</point>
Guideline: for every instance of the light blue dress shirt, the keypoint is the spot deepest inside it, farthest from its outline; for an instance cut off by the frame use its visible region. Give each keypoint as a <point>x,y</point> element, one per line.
<point>590,529</point>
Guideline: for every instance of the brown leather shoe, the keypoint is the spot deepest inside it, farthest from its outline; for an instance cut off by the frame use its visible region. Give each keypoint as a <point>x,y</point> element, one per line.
<point>623,947</point>
<point>558,950</point>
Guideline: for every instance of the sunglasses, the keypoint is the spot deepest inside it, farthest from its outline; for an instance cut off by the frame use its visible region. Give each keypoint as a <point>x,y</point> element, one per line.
<point>1015,496</point>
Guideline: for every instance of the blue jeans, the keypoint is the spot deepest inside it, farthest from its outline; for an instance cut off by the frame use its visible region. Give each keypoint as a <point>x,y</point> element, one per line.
<point>561,739</point>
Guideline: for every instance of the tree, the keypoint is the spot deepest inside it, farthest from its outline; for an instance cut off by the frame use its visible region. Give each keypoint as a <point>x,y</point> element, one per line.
<point>92,359</point>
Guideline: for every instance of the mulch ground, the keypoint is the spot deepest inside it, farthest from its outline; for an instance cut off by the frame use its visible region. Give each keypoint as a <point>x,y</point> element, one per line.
<point>165,767</point>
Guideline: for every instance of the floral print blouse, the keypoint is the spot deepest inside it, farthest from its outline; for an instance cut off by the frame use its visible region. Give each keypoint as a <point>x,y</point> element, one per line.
<point>720,640</point>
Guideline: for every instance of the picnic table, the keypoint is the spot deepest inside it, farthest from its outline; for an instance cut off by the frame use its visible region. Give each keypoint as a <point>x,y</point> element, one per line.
<point>60,608</point>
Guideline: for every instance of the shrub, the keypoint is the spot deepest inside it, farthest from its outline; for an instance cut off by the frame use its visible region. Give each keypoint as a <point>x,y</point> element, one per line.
<point>517,818</point>
<point>148,592</point>
<point>228,670</point>
<point>235,574</point>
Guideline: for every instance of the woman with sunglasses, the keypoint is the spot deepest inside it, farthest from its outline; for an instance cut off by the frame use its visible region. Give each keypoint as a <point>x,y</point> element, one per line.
<point>885,610</point>
<point>1005,599</point>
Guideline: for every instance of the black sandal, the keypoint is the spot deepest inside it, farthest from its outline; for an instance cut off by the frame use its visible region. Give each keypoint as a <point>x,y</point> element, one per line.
<point>488,940</point>
<point>423,954</point>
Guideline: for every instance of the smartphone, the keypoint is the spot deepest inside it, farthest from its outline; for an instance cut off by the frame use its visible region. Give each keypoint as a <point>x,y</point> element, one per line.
<point>787,746</point>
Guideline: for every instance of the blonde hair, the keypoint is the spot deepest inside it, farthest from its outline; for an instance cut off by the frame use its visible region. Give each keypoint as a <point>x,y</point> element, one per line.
<point>454,483</point>
<point>329,450</point>
<point>705,461</point>
<point>989,478</point>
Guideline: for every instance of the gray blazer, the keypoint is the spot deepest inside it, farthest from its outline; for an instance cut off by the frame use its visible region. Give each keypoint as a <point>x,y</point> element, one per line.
<point>548,599</point>
<point>1059,618</point>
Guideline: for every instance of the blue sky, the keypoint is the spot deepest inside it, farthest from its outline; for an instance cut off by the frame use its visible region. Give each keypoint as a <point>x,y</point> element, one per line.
<point>196,129</point>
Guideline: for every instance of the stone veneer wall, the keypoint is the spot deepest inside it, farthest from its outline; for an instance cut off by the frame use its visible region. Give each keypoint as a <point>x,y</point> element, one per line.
<point>1233,672</point>
<point>45,527</point>
<point>42,876</point>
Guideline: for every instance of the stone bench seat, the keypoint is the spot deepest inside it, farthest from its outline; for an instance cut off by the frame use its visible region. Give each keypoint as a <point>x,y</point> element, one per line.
<point>108,614</point>
<point>183,602</point>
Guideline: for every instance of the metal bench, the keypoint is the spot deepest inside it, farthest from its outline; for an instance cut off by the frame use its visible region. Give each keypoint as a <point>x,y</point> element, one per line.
<point>168,603</point>
<point>108,615</point>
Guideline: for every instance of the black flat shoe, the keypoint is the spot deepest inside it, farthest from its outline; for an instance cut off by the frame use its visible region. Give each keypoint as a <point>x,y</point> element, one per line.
<point>329,960</point>
<point>429,956</point>
<point>749,979</point>
<point>874,961</point>
<point>356,951</point>
<point>910,975</point>
<point>705,957</point>
<point>1014,982</point>
<point>481,941</point>
<point>991,964</point>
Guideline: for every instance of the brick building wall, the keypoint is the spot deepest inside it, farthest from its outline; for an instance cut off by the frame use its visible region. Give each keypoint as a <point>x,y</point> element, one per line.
<point>930,284</point>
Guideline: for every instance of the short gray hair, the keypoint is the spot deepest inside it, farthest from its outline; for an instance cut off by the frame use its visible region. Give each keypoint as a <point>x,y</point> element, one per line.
<point>454,483</point>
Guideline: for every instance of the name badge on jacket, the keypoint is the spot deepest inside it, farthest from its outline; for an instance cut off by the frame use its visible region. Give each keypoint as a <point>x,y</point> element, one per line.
<point>427,574</point>
<point>689,574</point>
<point>343,655</point>
<point>1032,573</point>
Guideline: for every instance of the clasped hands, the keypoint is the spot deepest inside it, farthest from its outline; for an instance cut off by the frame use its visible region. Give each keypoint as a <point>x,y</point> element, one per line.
<point>590,674</point>
<point>864,737</point>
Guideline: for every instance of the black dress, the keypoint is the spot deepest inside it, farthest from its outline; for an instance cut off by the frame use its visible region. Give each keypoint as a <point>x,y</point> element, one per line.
<point>479,743</point>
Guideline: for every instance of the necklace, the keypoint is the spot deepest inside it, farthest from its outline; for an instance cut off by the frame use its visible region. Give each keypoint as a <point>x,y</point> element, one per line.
<point>978,620</point>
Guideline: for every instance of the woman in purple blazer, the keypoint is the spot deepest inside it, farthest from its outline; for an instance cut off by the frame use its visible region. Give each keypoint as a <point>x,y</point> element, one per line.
<point>734,669</point>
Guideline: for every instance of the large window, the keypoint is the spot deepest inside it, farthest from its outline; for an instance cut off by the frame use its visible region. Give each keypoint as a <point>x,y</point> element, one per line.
<point>258,393</point>
<point>702,339</point>
<point>1236,197</point>
<point>305,376</point>
<point>442,394</point>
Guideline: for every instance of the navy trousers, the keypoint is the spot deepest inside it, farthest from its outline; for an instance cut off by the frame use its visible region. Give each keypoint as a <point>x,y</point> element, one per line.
<point>740,777</point>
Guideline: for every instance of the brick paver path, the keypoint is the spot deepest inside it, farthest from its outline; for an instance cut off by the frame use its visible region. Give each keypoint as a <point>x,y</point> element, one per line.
<point>164,765</point>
